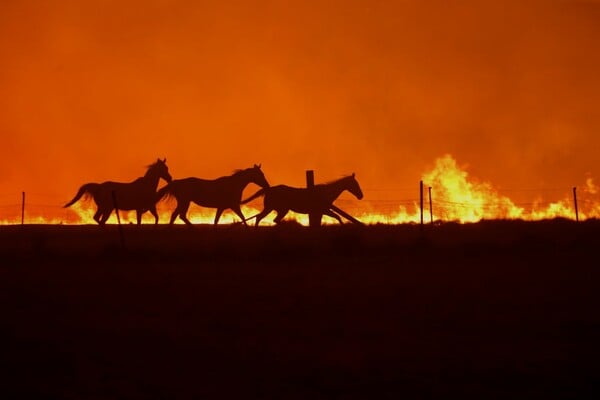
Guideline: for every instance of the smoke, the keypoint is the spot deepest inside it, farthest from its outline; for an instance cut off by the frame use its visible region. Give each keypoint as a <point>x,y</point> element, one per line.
<point>96,90</point>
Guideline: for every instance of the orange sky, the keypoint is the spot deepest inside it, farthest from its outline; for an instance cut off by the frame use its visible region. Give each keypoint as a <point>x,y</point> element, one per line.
<point>95,90</point>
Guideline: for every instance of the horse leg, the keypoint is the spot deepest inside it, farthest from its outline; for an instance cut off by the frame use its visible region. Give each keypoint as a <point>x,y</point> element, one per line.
<point>238,212</point>
<point>176,212</point>
<point>280,215</point>
<point>174,215</point>
<point>333,215</point>
<point>155,214</point>
<point>218,215</point>
<point>182,210</point>
<point>97,216</point>
<point>139,216</point>
<point>261,215</point>
<point>105,215</point>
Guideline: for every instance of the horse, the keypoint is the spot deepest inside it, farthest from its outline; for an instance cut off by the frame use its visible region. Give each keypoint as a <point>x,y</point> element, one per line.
<point>315,200</point>
<point>222,193</point>
<point>139,195</point>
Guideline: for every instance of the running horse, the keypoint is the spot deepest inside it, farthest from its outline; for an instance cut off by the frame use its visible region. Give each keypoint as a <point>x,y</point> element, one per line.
<point>139,195</point>
<point>222,193</point>
<point>316,200</point>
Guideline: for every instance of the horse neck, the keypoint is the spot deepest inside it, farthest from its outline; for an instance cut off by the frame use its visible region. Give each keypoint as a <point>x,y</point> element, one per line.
<point>241,179</point>
<point>334,189</point>
<point>151,178</point>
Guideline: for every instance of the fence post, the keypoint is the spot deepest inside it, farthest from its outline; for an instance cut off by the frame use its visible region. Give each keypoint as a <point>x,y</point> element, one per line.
<point>430,206</point>
<point>313,219</point>
<point>421,200</point>
<point>121,235</point>
<point>575,202</point>
<point>310,178</point>
<point>23,208</point>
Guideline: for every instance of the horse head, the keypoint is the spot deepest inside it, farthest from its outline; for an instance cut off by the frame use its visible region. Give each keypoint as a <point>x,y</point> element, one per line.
<point>257,176</point>
<point>160,169</point>
<point>353,186</point>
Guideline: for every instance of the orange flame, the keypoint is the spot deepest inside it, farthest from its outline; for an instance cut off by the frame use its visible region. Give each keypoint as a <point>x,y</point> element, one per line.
<point>455,197</point>
<point>458,197</point>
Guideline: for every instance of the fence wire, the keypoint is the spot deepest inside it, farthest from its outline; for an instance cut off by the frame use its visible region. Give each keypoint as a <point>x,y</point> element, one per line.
<point>50,205</point>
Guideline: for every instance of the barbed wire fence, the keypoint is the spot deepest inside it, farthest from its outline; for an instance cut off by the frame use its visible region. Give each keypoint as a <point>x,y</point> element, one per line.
<point>567,202</point>
<point>418,205</point>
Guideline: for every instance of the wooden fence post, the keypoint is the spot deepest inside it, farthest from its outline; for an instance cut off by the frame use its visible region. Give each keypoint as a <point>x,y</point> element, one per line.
<point>575,202</point>
<point>313,219</point>
<point>421,200</point>
<point>23,208</point>
<point>310,178</point>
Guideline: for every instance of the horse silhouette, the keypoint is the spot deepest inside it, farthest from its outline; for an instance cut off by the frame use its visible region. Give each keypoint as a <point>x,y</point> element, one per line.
<point>222,193</point>
<point>139,195</point>
<point>315,200</point>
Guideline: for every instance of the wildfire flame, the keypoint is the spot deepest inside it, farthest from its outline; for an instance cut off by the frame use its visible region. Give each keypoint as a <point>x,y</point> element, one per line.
<point>458,197</point>
<point>455,196</point>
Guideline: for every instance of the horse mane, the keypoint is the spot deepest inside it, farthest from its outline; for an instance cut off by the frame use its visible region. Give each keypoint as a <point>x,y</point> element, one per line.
<point>240,171</point>
<point>335,180</point>
<point>155,164</point>
<point>151,165</point>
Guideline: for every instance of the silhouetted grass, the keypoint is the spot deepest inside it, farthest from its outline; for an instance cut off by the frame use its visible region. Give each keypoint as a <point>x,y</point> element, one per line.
<point>498,309</point>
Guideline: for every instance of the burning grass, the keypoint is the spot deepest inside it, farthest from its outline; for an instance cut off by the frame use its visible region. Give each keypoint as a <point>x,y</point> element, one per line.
<point>455,196</point>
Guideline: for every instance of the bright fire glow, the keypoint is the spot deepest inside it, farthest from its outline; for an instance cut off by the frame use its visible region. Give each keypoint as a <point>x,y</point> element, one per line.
<point>455,197</point>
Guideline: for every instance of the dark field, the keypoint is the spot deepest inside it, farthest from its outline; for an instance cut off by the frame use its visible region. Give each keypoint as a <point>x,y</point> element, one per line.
<point>490,310</point>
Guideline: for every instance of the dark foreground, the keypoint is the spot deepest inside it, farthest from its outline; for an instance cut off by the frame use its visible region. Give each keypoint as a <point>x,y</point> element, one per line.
<point>491,310</point>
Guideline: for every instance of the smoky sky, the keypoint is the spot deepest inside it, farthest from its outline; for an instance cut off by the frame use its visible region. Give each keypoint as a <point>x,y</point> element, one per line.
<point>96,90</point>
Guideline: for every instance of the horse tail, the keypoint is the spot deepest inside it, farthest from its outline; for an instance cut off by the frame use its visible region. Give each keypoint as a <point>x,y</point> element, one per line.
<point>261,192</point>
<point>89,189</point>
<point>165,192</point>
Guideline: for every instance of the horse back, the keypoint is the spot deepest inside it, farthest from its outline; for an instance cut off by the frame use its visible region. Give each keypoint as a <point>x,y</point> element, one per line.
<point>129,195</point>
<point>302,200</point>
<point>220,192</point>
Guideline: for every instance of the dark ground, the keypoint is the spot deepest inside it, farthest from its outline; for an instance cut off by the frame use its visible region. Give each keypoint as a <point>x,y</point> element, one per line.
<point>494,310</point>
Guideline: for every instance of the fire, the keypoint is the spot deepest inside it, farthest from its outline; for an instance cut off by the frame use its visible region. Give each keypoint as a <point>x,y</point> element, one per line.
<point>82,213</point>
<point>467,200</point>
<point>455,196</point>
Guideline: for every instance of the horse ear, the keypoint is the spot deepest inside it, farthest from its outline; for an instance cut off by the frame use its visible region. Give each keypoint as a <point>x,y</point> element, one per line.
<point>259,165</point>
<point>353,174</point>
<point>164,160</point>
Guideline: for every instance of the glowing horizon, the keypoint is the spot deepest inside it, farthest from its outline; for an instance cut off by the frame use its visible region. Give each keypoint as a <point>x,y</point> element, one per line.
<point>456,197</point>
